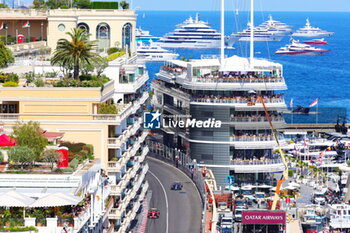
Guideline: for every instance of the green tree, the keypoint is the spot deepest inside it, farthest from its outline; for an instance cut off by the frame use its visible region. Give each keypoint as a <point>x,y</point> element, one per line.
<point>30,135</point>
<point>83,4</point>
<point>22,155</point>
<point>74,52</point>
<point>6,56</point>
<point>124,5</point>
<point>3,5</point>
<point>38,4</point>
<point>51,156</point>
<point>101,65</point>
<point>107,109</point>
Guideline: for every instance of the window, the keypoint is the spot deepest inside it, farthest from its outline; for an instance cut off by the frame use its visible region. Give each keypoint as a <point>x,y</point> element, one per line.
<point>103,33</point>
<point>61,27</point>
<point>207,157</point>
<point>126,35</point>
<point>83,26</point>
<point>207,114</point>
<point>207,133</point>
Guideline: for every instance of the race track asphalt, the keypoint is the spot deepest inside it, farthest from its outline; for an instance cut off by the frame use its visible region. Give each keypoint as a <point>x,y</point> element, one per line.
<point>183,207</point>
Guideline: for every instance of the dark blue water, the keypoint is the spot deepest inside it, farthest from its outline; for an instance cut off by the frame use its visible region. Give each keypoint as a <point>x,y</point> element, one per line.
<point>325,77</point>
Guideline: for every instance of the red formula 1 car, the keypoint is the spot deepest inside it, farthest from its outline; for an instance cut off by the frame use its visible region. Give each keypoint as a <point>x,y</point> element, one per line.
<point>153,213</point>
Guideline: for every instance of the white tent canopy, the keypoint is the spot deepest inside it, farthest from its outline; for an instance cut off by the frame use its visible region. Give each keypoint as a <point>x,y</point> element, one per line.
<point>57,199</point>
<point>15,199</point>
<point>233,188</point>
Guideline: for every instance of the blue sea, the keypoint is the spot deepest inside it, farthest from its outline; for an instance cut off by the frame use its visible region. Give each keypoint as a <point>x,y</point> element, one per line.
<point>326,77</point>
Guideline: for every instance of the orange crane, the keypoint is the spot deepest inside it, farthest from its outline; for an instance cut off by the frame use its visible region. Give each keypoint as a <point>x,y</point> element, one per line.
<point>274,134</point>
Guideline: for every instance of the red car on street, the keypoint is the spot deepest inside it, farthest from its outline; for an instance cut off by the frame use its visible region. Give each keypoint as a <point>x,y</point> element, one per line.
<point>153,213</point>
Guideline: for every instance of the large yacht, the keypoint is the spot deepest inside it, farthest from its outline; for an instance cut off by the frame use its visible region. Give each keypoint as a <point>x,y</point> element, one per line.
<point>260,34</point>
<point>309,31</point>
<point>297,48</point>
<point>153,52</point>
<point>274,25</point>
<point>192,33</point>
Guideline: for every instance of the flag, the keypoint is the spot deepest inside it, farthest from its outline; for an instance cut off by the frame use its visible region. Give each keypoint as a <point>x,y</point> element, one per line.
<point>315,102</point>
<point>1,26</point>
<point>291,103</point>
<point>26,25</point>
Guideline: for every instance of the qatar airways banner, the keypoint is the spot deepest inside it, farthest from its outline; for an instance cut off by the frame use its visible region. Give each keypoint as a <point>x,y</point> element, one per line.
<point>264,217</point>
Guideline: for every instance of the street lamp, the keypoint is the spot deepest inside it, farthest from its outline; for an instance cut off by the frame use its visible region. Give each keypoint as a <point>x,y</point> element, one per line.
<point>41,31</point>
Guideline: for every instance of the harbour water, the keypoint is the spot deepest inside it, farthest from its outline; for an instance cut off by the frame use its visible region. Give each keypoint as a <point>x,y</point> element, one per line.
<point>325,77</point>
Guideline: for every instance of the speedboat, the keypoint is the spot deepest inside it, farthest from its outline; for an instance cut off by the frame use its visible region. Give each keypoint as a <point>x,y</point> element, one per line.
<point>143,35</point>
<point>153,52</point>
<point>192,33</point>
<point>297,48</point>
<point>309,31</point>
<point>316,42</point>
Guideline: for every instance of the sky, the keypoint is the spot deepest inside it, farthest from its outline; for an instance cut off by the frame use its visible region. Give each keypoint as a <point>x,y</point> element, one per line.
<point>263,5</point>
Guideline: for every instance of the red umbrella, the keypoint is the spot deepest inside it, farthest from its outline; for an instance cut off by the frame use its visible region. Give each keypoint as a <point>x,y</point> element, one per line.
<point>7,141</point>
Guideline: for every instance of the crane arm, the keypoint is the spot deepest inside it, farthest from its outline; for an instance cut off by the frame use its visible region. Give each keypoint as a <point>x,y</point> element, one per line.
<point>285,172</point>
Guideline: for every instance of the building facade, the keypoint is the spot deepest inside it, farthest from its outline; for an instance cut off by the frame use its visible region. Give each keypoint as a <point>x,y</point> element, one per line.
<point>242,147</point>
<point>111,28</point>
<point>118,139</point>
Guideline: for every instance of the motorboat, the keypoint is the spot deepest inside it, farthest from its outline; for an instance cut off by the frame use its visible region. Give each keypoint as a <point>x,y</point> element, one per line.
<point>297,48</point>
<point>153,52</point>
<point>310,31</point>
<point>316,42</point>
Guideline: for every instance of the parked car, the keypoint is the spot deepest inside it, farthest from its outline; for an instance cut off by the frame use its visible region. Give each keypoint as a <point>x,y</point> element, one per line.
<point>319,198</point>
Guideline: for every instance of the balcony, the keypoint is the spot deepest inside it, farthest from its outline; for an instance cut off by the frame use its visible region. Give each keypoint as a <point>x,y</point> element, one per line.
<point>132,213</point>
<point>256,122</point>
<point>115,213</point>
<point>255,142</point>
<point>131,87</point>
<point>247,166</point>
<point>124,110</point>
<point>9,116</point>
<point>117,189</point>
<point>114,143</point>
<point>242,103</point>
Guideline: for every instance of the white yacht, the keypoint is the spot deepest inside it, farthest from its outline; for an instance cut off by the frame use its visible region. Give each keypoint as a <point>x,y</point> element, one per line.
<point>142,35</point>
<point>260,34</point>
<point>309,31</point>
<point>153,52</point>
<point>276,26</point>
<point>192,33</point>
<point>339,215</point>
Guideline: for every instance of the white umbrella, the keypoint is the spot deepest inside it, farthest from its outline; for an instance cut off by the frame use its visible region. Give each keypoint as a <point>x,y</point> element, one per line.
<point>294,184</point>
<point>15,199</point>
<point>233,188</point>
<point>265,186</point>
<point>290,187</point>
<point>57,199</point>
<point>248,187</point>
<point>251,92</point>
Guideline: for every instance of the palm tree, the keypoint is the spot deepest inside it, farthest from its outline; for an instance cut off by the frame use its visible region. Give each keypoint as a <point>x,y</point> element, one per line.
<point>74,52</point>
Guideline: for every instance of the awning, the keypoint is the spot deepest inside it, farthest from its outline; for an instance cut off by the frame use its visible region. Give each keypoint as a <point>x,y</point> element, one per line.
<point>51,136</point>
<point>57,199</point>
<point>7,141</point>
<point>15,199</point>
